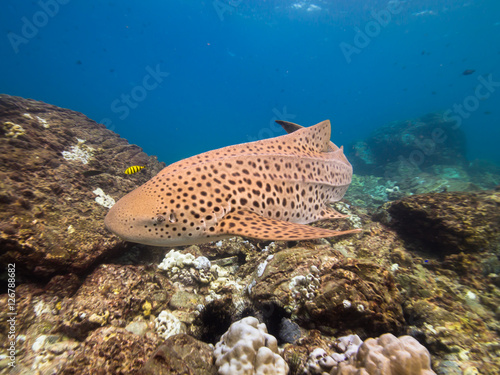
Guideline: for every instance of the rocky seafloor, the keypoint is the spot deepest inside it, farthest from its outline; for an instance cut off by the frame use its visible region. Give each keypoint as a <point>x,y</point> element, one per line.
<point>426,265</point>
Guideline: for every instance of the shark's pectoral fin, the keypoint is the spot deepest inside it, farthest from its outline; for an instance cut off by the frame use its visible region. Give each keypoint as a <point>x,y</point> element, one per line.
<point>329,213</point>
<point>249,224</point>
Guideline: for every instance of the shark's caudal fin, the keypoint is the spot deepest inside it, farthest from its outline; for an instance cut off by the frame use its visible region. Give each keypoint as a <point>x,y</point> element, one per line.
<point>249,224</point>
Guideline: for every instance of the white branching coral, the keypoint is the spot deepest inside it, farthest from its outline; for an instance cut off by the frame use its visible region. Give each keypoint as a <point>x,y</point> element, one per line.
<point>303,288</point>
<point>166,325</point>
<point>103,199</point>
<point>175,260</point>
<point>187,269</point>
<point>80,152</point>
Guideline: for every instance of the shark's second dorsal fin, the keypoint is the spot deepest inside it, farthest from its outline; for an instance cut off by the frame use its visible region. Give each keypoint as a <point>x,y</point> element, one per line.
<point>249,224</point>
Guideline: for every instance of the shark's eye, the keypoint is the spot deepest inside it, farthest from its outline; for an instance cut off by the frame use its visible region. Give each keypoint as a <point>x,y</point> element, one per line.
<point>159,219</point>
<point>172,218</point>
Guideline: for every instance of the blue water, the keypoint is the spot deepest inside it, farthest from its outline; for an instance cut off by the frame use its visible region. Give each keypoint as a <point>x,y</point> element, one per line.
<point>181,77</point>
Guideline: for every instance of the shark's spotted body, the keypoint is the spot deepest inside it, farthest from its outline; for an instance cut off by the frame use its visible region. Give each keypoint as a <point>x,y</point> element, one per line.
<point>267,189</point>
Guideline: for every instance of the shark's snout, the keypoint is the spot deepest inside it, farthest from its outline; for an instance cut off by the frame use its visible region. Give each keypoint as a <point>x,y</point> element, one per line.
<point>112,221</point>
<point>129,217</point>
<point>117,219</point>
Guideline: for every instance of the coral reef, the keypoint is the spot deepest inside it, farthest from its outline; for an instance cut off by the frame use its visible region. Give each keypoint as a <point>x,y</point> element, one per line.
<point>419,156</point>
<point>80,152</point>
<point>50,220</point>
<point>449,222</point>
<point>113,295</point>
<point>399,146</point>
<point>426,265</point>
<point>322,289</point>
<point>110,350</point>
<point>181,354</point>
<point>320,362</point>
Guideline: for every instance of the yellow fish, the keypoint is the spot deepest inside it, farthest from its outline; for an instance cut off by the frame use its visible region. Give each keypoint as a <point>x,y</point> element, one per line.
<point>134,169</point>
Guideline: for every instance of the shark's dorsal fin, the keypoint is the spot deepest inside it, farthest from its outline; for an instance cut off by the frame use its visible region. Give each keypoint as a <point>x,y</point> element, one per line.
<point>291,127</point>
<point>249,224</point>
<point>312,139</point>
<point>309,141</point>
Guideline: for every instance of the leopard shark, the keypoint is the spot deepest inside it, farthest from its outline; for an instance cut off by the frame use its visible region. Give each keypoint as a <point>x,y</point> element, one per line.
<point>268,189</point>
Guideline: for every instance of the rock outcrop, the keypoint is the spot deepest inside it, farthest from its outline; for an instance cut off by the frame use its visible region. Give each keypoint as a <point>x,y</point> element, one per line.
<point>59,173</point>
<point>402,146</point>
<point>449,222</point>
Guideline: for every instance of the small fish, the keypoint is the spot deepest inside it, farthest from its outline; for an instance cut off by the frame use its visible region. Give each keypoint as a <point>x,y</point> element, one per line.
<point>468,72</point>
<point>134,169</point>
<point>269,190</point>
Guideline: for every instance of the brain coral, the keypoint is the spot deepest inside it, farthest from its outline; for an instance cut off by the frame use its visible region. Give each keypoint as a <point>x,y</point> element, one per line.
<point>388,355</point>
<point>247,349</point>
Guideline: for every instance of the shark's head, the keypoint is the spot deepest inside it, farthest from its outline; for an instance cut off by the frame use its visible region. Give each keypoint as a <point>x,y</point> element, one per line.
<point>145,216</point>
<point>133,218</point>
